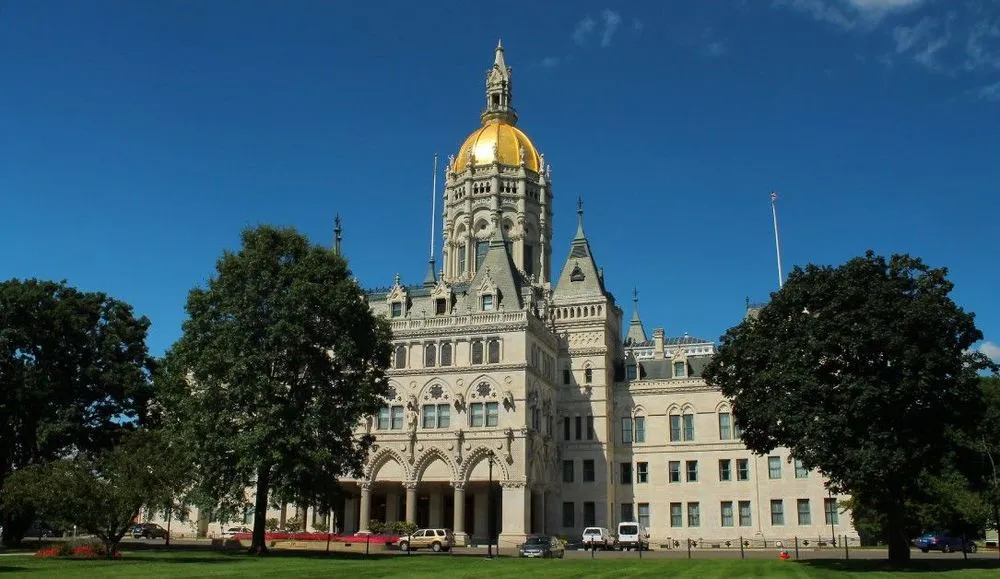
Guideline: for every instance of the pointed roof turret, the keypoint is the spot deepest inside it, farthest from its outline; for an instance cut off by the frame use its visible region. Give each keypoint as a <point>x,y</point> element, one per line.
<point>580,277</point>
<point>636,333</point>
<point>499,96</point>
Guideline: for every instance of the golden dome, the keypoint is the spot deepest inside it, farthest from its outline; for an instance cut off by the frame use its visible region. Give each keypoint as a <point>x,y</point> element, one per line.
<point>500,140</point>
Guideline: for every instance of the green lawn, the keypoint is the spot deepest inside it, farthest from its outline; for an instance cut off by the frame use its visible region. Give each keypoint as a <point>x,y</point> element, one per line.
<point>200,563</point>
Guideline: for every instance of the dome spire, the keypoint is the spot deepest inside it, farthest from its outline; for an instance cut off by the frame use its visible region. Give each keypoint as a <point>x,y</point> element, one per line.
<point>499,99</point>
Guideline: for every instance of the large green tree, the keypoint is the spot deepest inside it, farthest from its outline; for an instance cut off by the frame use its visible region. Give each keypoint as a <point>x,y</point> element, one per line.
<point>74,376</point>
<point>279,361</point>
<point>102,493</point>
<point>864,372</point>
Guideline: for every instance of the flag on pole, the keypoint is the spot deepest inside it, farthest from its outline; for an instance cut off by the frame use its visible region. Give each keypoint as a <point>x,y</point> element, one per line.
<point>774,196</point>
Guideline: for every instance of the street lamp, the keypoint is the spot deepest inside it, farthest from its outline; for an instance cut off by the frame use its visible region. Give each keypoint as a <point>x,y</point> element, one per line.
<point>831,511</point>
<point>489,509</point>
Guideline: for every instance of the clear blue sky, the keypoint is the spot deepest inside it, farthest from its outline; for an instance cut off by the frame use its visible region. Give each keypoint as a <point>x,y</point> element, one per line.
<point>138,138</point>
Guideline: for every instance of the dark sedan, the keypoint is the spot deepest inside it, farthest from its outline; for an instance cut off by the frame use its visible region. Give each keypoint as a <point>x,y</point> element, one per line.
<point>944,542</point>
<point>542,546</point>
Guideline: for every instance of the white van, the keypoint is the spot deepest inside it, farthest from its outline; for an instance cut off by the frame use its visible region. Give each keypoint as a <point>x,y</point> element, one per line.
<point>632,536</point>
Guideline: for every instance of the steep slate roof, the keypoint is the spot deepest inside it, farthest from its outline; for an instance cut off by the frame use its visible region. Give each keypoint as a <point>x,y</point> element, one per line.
<point>501,269</point>
<point>636,332</point>
<point>579,277</point>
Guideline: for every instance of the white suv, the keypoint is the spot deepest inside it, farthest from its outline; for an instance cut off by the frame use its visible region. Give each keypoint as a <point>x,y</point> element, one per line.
<point>598,538</point>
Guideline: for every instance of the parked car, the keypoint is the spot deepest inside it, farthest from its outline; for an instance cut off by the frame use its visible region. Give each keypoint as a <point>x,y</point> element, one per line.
<point>599,538</point>
<point>148,531</point>
<point>632,536</point>
<point>434,539</point>
<point>542,546</point>
<point>237,530</point>
<point>944,542</point>
<point>40,530</point>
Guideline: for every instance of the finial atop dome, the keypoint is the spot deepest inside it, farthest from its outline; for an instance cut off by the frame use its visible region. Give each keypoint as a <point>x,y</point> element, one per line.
<point>498,91</point>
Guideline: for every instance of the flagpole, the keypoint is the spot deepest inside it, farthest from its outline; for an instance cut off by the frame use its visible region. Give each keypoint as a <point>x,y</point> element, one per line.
<point>777,240</point>
<point>433,203</point>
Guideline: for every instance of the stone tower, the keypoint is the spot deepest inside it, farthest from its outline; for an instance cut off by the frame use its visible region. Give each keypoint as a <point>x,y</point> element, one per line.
<point>498,183</point>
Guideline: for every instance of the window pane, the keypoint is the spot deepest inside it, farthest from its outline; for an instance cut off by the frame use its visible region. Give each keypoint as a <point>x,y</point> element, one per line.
<point>579,427</point>
<point>640,429</point>
<point>745,514</point>
<point>444,416</point>
<point>430,412</point>
<point>430,356</point>
<point>476,414</point>
<point>725,426</point>
<point>397,417</point>
<point>694,515</point>
<point>674,469</point>
<point>830,514</point>
<point>773,467</point>
<point>805,516</point>
<point>446,354</point>
<point>400,357</point>
<point>689,427</point>
<point>477,352</point>
<point>588,375</point>
<point>627,512</point>
<point>742,469</point>
<point>800,469</point>
<point>461,257</point>
<point>675,427</point>
<point>492,413</point>
<point>383,418</point>
<point>626,473</point>
<point>726,509</point>
<point>678,369</point>
<point>642,472</point>
<point>494,352</point>
<point>487,303</point>
<point>626,430</point>
<point>590,428</point>
<point>777,512</point>
<point>566,435</point>
<point>589,513</point>
<point>588,470</point>
<point>569,515</point>
<point>692,471</point>
<point>481,248</point>
<point>644,514</point>
<point>725,470</point>
<point>676,515</point>
<point>568,471</point>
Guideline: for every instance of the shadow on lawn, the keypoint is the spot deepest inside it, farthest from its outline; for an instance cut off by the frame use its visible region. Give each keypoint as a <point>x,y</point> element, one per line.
<point>881,565</point>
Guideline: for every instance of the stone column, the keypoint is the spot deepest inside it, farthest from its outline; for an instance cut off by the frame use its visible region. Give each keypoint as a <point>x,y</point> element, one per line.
<point>458,525</point>
<point>411,502</point>
<point>366,506</point>
<point>391,507</point>
<point>516,513</point>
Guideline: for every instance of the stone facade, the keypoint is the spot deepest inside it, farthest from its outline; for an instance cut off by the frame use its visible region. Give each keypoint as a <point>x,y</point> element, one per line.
<point>529,396</point>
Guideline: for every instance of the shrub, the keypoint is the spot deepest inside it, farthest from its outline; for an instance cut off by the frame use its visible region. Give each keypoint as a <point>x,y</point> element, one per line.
<point>378,527</point>
<point>49,552</point>
<point>272,524</point>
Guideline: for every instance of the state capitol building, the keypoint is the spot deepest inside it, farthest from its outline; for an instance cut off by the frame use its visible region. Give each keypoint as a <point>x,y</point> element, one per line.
<point>511,368</point>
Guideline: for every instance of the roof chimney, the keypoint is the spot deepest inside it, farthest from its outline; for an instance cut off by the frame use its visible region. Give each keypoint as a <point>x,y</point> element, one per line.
<point>658,353</point>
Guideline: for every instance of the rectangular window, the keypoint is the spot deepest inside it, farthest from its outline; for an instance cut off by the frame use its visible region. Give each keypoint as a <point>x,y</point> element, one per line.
<point>589,513</point>
<point>640,429</point>
<point>694,515</point>
<point>569,515</point>
<point>482,248</point>
<point>476,414</point>
<point>689,427</point>
<point>774,467</point>
<point>430,416</point>
<point>630,373</point>
<point>568,471</point>
<point>642,472</point>
<point>529,260</point>
<point>383,418</point>
<point>477,351</point>
<point>725,426</point>
<point>492,413</point>
<point>590,428</point>
<point>726,509</point>
<point>777,512</point>
<point>725,469</point>
<point>487,302</point>
<point>692,471</point>
<point>579,427</point>
<point>493,351</point>
<point>676,515</point>
<point>397,418</point>
<point>588,376</point>
<point>566,435</point>
<point>805,516</point>
<point>830,514</point>
<point>675,427</point>
<point>444,416</point>
<point>440,306</point>
<point>674,471</point>
<point>566,376</point>
<point>679,369</point>
<point>746,516</point>
<point>742,469</point>
<point>588,470</point>
<point>800,470</point>
<point>644,514</point>
<point>626,474</point>
<point>626,430</point>
<point>626,512</point>
<point>397,309</point>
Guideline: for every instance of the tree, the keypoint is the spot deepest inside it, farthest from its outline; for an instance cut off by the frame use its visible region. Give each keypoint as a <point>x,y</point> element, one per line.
<point>102,493</point>
<point>74,376</point>
<point>987,441</point>
<point>279,360</point>
<point>864,372</point>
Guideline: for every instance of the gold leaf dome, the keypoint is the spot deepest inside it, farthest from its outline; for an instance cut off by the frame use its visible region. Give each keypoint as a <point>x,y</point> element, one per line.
<point>497,141</point>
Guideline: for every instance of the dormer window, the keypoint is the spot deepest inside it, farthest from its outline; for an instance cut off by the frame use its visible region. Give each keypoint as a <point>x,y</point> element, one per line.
<point>680,370</point>
<point>630,372</point>
<point>440,306</point>
<point>487,303</point>
<point>396,309</point>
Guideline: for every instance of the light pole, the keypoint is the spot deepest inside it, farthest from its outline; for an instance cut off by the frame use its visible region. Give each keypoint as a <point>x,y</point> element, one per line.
<point>489,509</point>
<point>831,512</point>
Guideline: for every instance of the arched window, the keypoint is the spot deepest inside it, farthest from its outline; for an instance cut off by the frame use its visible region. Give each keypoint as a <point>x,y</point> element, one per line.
<point>477,351</point>
<point>639,427</point>
<point>493,351</point>
<point>430,356</point>
<point>400,361</point>
<point>446,354</point>
<point>682,426</point>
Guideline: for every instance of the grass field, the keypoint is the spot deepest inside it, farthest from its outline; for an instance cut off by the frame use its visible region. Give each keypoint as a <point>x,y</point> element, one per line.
<point>183,563</point>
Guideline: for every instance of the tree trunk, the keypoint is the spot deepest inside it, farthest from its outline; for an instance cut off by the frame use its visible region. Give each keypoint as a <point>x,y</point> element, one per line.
<point>258,545</point>
<point>170,516</point>
<point>899,543</point>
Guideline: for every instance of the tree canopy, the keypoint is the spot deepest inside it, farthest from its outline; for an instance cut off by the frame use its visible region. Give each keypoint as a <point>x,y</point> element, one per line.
<point>74,376</point>
<point>279,360</point>
<point>102,493</point>
<point>864,372</point>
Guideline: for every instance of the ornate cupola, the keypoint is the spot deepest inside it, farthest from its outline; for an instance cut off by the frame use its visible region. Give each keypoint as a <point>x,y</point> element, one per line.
<point>497,179</point>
